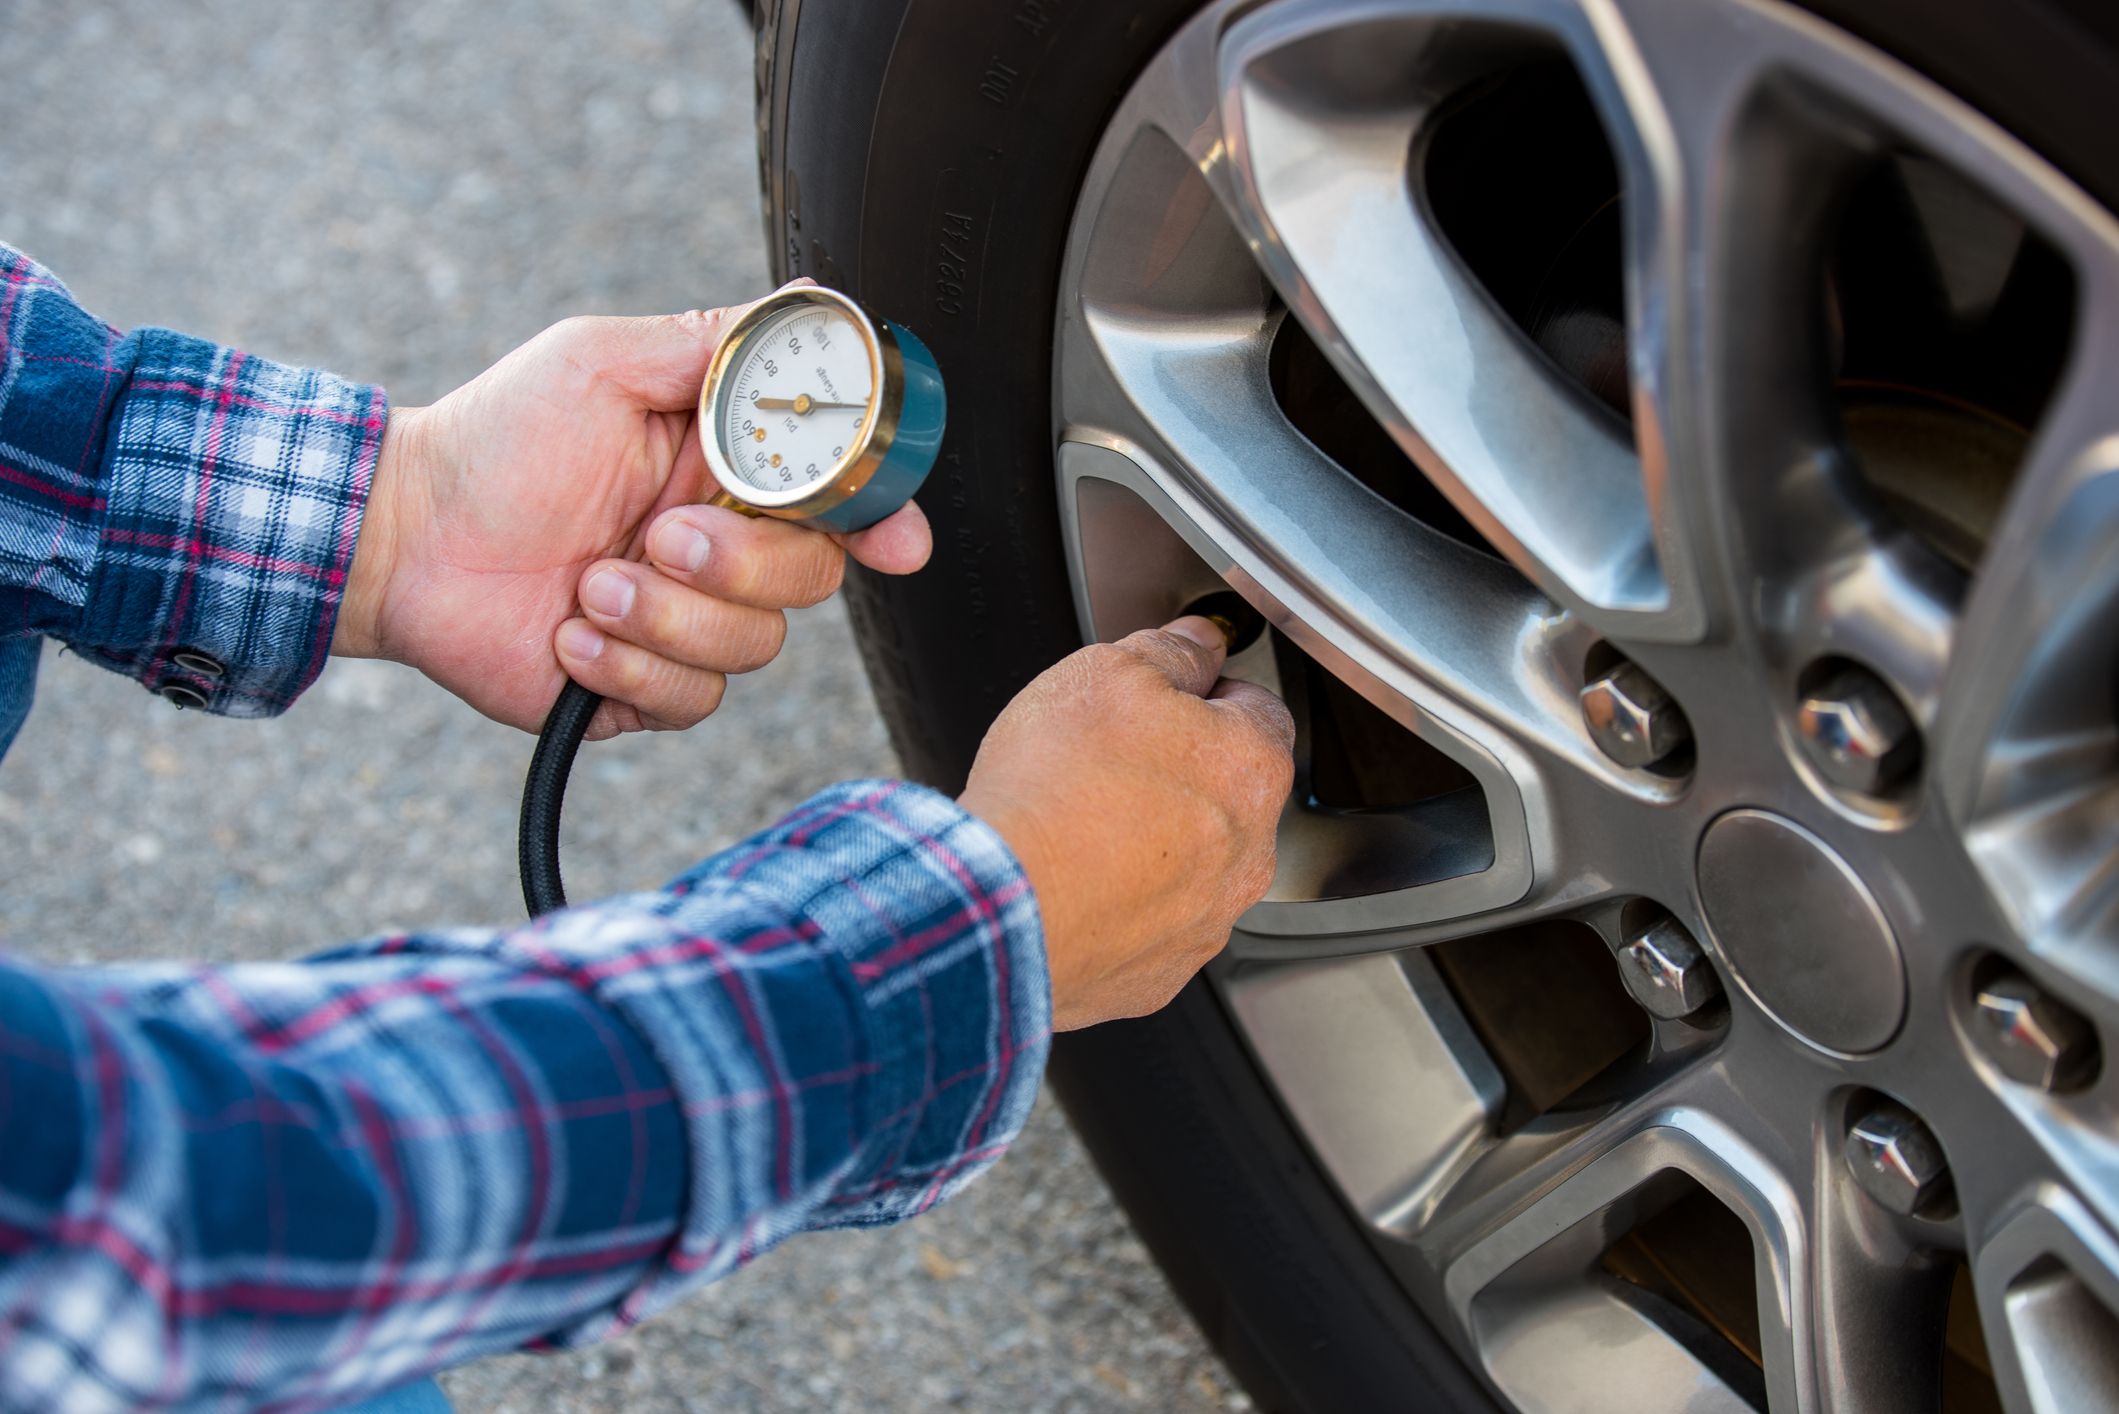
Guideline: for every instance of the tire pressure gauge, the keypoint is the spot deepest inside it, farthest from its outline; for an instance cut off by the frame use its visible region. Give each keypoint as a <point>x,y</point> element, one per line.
<point>815,411</point>
<point>812,411</point>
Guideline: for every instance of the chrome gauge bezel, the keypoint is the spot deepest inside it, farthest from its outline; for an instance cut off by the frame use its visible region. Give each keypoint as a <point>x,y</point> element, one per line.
<point>871,446</point>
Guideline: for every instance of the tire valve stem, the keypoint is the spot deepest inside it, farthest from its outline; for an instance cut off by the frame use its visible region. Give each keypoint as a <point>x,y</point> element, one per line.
<point>1240,624</point>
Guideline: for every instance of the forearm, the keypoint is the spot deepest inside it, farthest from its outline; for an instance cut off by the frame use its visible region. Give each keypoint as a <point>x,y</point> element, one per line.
<point>265,1177</point>
<point>178,511</point>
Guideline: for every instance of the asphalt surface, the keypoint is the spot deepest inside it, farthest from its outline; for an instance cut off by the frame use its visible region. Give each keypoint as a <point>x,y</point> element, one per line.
<point>401,192</point>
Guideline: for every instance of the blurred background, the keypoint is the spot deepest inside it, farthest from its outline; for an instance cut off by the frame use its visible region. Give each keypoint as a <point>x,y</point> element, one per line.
<point>402,190</point>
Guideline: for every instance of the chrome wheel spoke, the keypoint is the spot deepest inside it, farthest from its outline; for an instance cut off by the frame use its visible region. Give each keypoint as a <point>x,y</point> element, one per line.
<point>1411,1035</point>
<point>1734,178</point>
<point>1542,1251</point>
<point>2047,1294</point>
<point>1168,369</point>
<point>1546,1239</point>
<point>1750,143</point>
<point>1322,116</point>
<point>2027,744</point>
<point>1871,1322</point>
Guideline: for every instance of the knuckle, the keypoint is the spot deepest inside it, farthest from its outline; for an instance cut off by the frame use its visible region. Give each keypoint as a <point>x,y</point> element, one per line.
<point>1276,722</point>
<point>1123,665</point>
<point>1271,765</point>
<point>680,694</point>
<point>1262,738</point>
<point>1256,882</point>
<point>1103,659</point>
<point>822,573</point>
<point>737,569</point>
<point>1249,797</point>
<point>694,700</point>
<point>1152,645</point>
<point>712,689</point>
<point>1141,640</point>
<point>611,719</point>
<point>1211,823</point>
<point>664,620</point>
<point>673,719</point>
<point>755,639</point>
<point>1268,790</point>
<point>584,337</point>
<point>627,671</point>
<point>1094,670</point>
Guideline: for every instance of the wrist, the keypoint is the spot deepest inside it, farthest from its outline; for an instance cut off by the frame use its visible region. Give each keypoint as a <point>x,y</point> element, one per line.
<point>359,630</point>
<point>1029,839</point>
<point>1020,831</point>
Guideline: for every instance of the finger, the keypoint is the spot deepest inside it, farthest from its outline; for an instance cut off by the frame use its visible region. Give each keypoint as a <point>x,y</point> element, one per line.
<point>770,564</point>
<point>650,610</point>
<point>1188,652</point>
<point>659,361</point>
<point>665,694</point>
<point>1258,709</point>
<point>613,719</point>
<point>616,719</point>
<point>898,544</point>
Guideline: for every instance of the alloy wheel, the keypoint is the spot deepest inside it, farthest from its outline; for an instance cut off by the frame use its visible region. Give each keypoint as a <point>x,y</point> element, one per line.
<point>1673,447</point>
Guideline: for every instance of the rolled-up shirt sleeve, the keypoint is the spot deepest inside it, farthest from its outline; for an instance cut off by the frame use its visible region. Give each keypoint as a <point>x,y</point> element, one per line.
<point>179,511</point>
<point>289,1186</point>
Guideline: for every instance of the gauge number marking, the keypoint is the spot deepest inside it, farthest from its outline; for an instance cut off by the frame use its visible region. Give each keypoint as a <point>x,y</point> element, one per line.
<point>811,365</point>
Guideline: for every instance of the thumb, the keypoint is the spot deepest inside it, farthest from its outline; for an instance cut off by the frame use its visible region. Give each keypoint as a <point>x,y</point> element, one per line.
<point>1188,652</point>
<point>658,361</point>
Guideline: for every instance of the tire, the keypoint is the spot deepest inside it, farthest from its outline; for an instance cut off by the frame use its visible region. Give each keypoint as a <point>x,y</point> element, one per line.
<point>927,155</point>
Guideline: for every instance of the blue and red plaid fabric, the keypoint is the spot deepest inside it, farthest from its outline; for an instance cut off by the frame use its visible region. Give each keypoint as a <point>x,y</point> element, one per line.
<point>290,1186</point>
<point>161,495</point>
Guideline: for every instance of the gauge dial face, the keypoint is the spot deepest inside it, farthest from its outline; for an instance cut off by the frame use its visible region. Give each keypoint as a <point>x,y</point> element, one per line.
<point>795,404</point>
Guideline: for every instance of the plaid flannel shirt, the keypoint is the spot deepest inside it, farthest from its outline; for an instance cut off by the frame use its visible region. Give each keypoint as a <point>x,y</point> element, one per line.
<point>290,1186</point>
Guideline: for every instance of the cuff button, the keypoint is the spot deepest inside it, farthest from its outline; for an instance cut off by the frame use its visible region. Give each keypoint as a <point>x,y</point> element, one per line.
<point>191,660</point>
<point>182,697</point>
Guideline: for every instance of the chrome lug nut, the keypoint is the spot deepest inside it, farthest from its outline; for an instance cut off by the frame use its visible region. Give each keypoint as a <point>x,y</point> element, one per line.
<point>2032,1038</point>
<point>1632,719</point>
<point>1857,732</point>
<point>1666,972</point>
<point>1895,1159</point>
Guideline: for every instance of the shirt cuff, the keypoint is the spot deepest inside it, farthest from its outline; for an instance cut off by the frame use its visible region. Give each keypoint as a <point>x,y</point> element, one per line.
<point>939,932</point>
<point>235,488</point>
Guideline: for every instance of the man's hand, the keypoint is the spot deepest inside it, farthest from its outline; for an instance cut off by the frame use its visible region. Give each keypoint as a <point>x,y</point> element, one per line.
<point>1140,793</point>
<point>544,517</point>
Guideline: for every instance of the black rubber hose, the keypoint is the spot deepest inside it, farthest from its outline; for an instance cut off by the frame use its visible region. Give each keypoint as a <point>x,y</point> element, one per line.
<point>543,795</point>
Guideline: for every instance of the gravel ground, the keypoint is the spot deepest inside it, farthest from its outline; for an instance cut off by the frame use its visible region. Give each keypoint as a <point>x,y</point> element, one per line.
<point>402,191</point>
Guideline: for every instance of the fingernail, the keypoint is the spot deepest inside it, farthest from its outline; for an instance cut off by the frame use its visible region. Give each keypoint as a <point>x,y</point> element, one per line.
<point>1202,631</point>
<point>609,593</point>
<point>680,545</point>
<point>579,641</point>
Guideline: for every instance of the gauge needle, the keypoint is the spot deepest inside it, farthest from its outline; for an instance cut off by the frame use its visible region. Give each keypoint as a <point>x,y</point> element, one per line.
<point>801,405</point>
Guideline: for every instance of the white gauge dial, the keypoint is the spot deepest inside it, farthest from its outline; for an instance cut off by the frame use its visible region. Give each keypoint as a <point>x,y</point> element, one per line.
<point>797,401</point>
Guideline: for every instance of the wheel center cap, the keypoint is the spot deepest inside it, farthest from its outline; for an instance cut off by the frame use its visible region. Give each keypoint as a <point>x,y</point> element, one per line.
<point>1802,933</point>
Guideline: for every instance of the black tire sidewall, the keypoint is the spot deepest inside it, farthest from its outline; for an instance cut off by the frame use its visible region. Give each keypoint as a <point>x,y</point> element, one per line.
<point>926,155</point>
